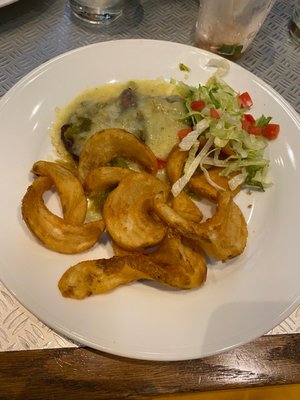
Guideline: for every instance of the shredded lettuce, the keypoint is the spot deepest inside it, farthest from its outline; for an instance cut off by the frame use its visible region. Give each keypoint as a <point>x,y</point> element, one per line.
<point>190,139</point>
<point>246,156</point>
<point>179,185</point>
<point>221,65</point>
<point>192,155</point>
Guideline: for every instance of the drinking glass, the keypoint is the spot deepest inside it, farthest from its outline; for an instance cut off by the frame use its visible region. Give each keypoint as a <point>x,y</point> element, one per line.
<point>294,26</point>
<point>97,11</point>
<point>227,27</point>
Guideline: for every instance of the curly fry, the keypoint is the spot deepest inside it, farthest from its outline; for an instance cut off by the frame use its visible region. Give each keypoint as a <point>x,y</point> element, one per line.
<point>199,185</point>
<point>69,188</point>
<point>104,146</point>
<point>222,237</point>
<point>55,232</point>
<point>175,264</point>
<point>103,178</point>
<point>127,212</point>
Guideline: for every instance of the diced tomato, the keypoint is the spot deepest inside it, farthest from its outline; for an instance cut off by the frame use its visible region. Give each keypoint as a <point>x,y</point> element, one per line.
<point>214,113</point>
<point>183,132</point>
<point>245,100</point>
<point>271,131</point>
<point>255,130</point>
<point>197,105</point>
<point>161,163</point>
<point>246,125</point>
<point>249,118</point>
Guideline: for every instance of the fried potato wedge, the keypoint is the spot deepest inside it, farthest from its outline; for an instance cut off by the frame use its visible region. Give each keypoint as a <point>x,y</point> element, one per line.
<point>100,276</point>
<point>182,203</point>
<point>69,188</point>
<point>223,236</point>
<point>105,145</point>
<point>183,261</point>
<point>54,232</point>
<point>175,264</point>
<point>185,206</point>
<point>175,163</point>
<point>119,251</point>
<point>199,185</point>
<point>103,178</point>
<point>127,212</point>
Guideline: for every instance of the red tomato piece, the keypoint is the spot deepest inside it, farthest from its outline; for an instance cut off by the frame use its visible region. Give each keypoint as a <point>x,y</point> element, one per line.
<point>197,105</point>
<point>183,132</point>
<point>255,130</point>
<point>214,113</point>
<point>249,118</point>
<point>246,125</point>
<point>271,131</point>
<point>161,163</point>
<point>245,100</point>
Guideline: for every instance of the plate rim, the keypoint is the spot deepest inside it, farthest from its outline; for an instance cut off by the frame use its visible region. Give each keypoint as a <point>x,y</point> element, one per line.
<point>4,3</point>
<point>291,111</point>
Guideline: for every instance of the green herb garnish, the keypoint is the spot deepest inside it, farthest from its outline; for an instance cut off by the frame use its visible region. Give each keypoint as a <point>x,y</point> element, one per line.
<point>183,67</point>
<point>230,50</point>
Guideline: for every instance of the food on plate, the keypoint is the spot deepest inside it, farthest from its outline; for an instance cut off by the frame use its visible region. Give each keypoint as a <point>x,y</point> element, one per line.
<point>224,134</point>
<point>127,212</point>
<point>141,156</point>
<point>223,236</point>
<point>54,232</point>
<point>199,184</point>
<point>104,146</point>
<point>149,110</point>
<point>183,259</point>
<point>70,191</point>
<point>186,207</point>
<point>101,179</point>
<point>177,263</point>
<point>175,163</point>
<point>182,203</point>
<point>100,276</point>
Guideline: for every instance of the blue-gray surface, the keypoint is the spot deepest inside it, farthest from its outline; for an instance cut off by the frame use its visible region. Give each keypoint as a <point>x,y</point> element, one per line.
<point>33,31</point>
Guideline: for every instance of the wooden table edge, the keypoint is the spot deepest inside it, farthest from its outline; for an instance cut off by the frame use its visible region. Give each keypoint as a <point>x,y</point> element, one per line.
<point>78,372</point>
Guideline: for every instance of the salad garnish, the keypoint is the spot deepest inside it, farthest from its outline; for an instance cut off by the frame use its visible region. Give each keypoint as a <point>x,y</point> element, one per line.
<point>224,133</point>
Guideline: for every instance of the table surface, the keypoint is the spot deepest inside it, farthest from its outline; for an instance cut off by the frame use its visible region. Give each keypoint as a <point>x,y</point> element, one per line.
<point>31,33</point>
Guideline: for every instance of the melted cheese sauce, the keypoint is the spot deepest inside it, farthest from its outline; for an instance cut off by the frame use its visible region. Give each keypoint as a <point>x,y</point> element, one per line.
<point>156,120</point>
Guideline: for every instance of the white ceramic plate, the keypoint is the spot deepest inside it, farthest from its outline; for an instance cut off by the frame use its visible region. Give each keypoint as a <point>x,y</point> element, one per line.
<point>241,300</point>
<point>6,2</point>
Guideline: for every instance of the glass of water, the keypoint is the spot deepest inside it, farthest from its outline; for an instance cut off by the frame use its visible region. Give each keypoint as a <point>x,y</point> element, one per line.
<point>97,11</point>
<point>294,26</point>
<point>227,27</point>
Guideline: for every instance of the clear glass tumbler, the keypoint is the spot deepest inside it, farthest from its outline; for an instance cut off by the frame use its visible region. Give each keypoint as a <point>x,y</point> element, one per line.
<point>97,11</point>
<point>294,26</point>
<point>227,27</point>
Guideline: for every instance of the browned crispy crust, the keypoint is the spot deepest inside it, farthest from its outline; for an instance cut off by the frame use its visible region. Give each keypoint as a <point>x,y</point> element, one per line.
<point>175,163</point>
<point>174,264</point>
<point>127,212</point>
<point>105,145</point>
<point>54,232</point>
<point>139,213</point>
<point>103,178</point>
<point>199,185</point>
<point>222,237</point>
<point>182,203</point>
<point>69,188</point>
